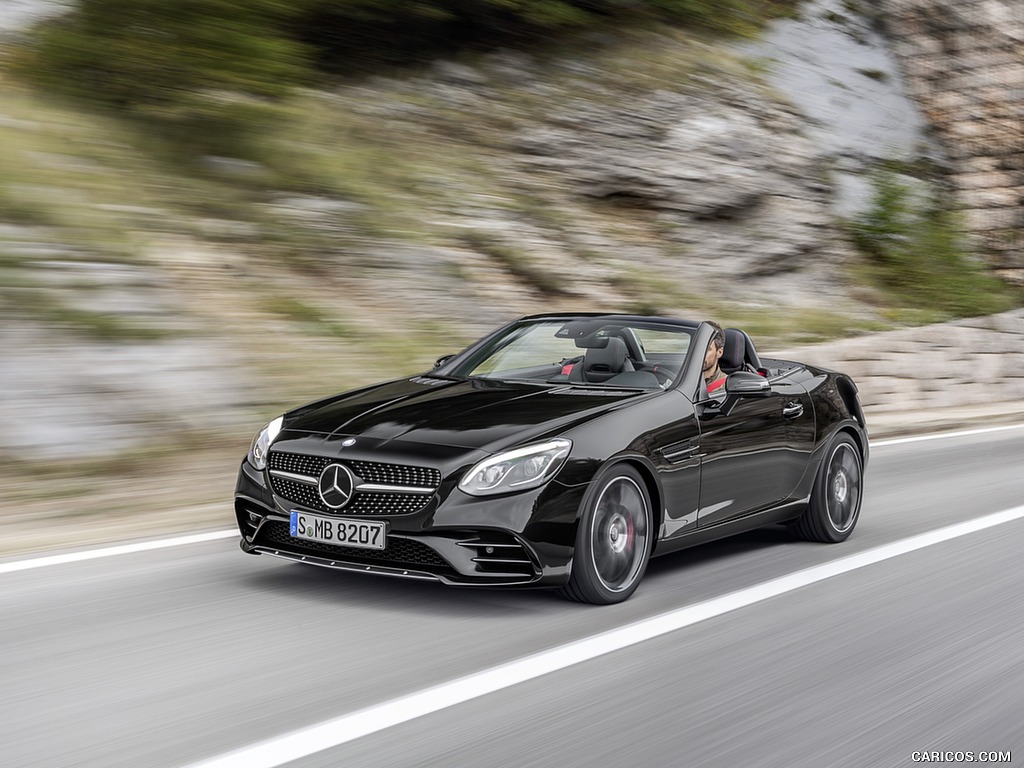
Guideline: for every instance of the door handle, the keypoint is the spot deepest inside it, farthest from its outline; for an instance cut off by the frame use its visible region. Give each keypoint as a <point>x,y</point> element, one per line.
<point>793,410</point>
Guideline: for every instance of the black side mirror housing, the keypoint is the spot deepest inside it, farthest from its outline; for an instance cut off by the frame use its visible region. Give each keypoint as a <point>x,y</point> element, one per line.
<point>738,386</point>
<point>746,384</point>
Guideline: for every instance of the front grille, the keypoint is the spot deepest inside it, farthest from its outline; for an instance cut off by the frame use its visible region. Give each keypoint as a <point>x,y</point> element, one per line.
<point>363,502</point>
<point>395,474</point>
<point>380,503</point>
<point>399,552</point>
<point>367,471</point>
<point>374,503</point>
<point>298,463</point>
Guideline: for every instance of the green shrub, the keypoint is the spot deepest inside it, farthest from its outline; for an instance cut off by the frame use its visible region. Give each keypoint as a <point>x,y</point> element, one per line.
<point>353,35</point>
<point>916,254</point>
<point>189,62</point>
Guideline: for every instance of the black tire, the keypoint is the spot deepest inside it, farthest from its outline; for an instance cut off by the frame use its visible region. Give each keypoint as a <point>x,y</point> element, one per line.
<point>834,505</point>
<point>614,539</point>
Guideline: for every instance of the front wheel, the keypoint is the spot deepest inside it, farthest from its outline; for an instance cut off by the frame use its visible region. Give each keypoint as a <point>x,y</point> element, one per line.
<point>834,505</point>
<point>614,539</point>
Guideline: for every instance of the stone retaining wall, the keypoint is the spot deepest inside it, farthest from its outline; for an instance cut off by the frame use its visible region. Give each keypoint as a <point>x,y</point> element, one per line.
<point>964,64</point>
<point>906,374</point>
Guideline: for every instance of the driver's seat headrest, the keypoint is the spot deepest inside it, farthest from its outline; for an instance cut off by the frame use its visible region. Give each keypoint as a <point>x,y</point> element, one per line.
<point>735,350</point>
<point>601,363</point>
<point>739,354</point>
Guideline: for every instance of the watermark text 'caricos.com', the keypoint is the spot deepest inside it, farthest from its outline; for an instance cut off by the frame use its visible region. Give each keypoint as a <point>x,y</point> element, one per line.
<point>949,756</point>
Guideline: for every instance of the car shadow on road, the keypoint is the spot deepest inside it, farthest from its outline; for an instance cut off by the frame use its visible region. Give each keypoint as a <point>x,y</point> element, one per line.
<point>722,550</point>
<point>323,585</point>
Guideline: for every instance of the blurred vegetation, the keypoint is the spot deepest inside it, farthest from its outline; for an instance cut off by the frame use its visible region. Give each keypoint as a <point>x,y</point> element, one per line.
<point>917,255</point>
<point>206,71</point>
<point>516,262</point>
<point>209,72</point>
<point>348,35</point>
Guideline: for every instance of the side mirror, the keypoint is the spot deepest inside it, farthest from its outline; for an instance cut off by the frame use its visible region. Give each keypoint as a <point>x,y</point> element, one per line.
<point>442,360</point>
<point>746,384</point>
<point>738,386</point>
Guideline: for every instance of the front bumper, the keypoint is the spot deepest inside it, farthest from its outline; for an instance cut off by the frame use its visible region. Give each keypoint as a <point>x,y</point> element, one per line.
<point>523,539</point>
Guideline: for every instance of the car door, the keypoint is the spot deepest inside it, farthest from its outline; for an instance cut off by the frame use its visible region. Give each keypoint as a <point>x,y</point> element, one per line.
<point>674,448</point>
<point>754,456</point>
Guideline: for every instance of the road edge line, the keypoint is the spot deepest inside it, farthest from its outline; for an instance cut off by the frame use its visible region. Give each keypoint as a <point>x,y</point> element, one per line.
<point>940,435</point>
<point>13,566</point>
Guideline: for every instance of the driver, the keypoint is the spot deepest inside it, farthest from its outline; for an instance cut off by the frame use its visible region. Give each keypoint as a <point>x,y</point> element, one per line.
<point>714,376</point>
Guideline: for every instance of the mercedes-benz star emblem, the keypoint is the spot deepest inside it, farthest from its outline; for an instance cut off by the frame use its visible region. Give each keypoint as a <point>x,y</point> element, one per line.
<point>336,485</point>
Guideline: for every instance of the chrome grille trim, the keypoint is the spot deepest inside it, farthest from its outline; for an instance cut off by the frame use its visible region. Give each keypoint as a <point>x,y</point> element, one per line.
<point>294,476</point>
<point>378,488</point>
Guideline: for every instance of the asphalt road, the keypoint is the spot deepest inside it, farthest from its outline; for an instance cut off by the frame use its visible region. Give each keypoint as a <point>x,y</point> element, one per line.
<point>180,655</point>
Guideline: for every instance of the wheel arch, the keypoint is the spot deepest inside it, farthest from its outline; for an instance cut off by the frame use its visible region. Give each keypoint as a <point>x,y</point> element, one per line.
<point>847,390</point>
<point>582,586</point>
<point>654,490</point>
<point>859,439</point>
<point>816,522</point>
<point>647,473</point>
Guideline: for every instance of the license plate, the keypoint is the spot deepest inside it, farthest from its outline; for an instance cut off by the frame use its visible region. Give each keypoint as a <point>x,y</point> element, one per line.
<point>344,533</point>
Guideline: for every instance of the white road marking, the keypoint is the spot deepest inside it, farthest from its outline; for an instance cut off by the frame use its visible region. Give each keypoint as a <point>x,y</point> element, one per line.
<point>177,541</point>
<point>942,435</point>
<point>120,549</point>
<point>341,730</point>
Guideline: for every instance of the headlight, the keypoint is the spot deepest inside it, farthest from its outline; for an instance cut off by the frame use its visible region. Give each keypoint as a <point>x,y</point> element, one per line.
<point>258,450</point>
<point>516,470</point>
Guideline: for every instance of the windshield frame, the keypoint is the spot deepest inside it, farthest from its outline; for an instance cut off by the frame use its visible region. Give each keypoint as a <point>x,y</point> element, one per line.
<point>462,365</point>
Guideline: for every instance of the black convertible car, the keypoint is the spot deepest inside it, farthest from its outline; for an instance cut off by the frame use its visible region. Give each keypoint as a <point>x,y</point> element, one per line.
<point>562,450</point>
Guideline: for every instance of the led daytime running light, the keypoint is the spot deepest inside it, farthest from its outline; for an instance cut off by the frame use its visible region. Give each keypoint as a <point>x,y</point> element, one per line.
<point>516,470</point>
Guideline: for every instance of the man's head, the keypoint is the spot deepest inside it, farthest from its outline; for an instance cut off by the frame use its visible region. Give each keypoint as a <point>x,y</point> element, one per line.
<point>715,348</point>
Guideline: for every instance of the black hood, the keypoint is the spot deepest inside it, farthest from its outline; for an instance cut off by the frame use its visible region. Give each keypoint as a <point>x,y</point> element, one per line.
<point>480,414</point>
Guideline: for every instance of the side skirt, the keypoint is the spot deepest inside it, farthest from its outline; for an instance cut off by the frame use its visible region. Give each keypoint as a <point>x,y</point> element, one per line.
<point>781,514</point>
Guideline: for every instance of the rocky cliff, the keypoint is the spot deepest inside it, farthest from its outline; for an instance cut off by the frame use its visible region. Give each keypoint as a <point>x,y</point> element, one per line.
<point>964,63</point>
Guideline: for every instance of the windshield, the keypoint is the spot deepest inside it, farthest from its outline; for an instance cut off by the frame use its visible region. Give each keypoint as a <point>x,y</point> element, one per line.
<point>587,351</point>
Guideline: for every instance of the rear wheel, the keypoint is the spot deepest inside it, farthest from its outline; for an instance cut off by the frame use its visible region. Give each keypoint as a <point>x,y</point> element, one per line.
<point>614,539</point>
<point>834,505</point>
